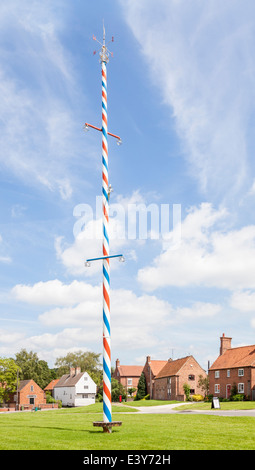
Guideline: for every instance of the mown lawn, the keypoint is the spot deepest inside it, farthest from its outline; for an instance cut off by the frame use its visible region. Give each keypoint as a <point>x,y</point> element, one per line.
<point>73,430</point>
<point>228,405</point>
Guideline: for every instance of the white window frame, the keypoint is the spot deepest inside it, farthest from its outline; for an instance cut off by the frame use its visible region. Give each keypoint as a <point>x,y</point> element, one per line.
<point>241,387</point>
<point>216,388</point>
<point>217,374</point>
<point>129,382</point>
<point>240,372</point>
<point>228,372</point>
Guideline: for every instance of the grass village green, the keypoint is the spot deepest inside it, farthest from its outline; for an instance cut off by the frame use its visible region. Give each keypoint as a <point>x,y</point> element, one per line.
<point>72,429</point>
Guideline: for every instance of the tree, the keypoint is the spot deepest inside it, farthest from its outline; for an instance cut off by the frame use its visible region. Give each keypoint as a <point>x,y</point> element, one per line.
<point>203,383</point>
<point>131,390</point>
<point>117,389</point>
<point>33,368</point>
<point>142,387</point>
<point>87,361</point>
<point>8,378</point>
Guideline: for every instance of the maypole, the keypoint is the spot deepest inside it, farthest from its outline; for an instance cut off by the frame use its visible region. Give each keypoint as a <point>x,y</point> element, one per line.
<point>106,189</point>
<point>107,401</point>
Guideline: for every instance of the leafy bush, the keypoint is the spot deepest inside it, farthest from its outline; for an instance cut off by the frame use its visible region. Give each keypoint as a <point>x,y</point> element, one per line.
<point>147,397</point>
<point>197,397</point>
<point>237,397</point>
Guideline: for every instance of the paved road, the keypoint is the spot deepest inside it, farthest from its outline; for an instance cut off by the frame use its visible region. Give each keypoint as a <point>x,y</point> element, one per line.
<point>173,409</point>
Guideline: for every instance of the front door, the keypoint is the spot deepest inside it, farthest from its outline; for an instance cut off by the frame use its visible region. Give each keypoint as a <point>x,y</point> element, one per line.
<point>228,391</point>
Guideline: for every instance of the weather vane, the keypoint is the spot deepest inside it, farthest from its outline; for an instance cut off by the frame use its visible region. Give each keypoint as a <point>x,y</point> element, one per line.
<point>106,190</point>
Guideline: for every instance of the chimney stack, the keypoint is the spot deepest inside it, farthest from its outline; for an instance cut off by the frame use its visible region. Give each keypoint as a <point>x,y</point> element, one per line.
<point>117,363</point>
<point>225,343</point>
<point>72,371</point>
<point>77,370</point>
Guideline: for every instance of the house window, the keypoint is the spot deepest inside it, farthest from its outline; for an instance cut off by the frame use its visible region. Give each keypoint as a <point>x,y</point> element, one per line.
<point>191,377</point>
<point>240,372</point>
<point>86,386</point>
<point>169,386</point>
<point>31,401</point>
<point>217,388</point>
<point>31,388</point>
<point>129,382</point>
<point>240,388</point>
<point>85,378</point>
<point>217,374</point>
<point>228,373</point>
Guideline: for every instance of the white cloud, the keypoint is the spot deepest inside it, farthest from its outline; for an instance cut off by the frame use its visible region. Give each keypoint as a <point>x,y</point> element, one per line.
<point>54,292</point>
<point>244,301</point>
<point>136,320</point>
<point>201,58</point>
<point>209,255</point>
<point>88,234</point>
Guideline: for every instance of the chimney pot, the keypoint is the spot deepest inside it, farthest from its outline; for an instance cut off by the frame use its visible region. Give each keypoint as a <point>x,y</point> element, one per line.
<point>72,371</point>
<point>77,370</point>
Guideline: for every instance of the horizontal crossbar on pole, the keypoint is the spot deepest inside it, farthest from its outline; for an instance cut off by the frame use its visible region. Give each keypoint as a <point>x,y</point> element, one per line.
<point>100,129</point>
<point>104,257</point>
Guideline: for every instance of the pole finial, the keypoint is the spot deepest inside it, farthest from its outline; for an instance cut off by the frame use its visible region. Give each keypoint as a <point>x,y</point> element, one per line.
<point>104,52</point>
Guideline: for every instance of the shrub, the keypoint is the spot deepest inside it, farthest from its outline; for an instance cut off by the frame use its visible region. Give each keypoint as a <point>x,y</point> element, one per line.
<point>237,397</point>
<point>197,397</point>
<point>147,397</point>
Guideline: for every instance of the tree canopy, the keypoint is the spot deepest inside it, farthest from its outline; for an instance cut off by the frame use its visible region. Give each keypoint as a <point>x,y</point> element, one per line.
<point>33,368</point>
<point>88,362</point>
<point>8,378</point>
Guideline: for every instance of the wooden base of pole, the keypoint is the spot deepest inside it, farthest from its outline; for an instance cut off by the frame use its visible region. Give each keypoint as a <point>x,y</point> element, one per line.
<point>107,427</point>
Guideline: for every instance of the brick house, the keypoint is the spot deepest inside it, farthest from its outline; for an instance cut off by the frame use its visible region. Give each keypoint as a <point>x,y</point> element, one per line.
<point>128,376</point>
<point>234,366</point>
<point>168,383</point>
<point>30,395</point>
<point>150,370</point>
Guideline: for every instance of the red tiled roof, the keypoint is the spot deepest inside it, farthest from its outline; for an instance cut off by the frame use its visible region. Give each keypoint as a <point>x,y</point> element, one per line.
<point>51,384</point>
<point>130,371</point>
<point>235,357</point>
<point>172,367</point>
<point>156,366</point>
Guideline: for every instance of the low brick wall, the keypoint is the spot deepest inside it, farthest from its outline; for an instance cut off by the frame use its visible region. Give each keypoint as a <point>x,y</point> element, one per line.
<point>46,406</point>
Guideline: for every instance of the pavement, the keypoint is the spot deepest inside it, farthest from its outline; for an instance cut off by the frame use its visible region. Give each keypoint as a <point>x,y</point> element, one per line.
<point>173,409</point>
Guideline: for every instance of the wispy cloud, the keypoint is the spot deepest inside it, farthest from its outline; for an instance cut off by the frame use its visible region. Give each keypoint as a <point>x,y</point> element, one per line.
<point>38,136</point>
<point>200,56</point>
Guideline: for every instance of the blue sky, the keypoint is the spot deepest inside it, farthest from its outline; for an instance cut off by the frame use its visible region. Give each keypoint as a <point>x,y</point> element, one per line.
<point>181,96</point>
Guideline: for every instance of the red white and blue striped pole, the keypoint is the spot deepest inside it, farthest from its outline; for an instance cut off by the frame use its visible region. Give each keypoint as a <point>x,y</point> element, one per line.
<point>107,400</point>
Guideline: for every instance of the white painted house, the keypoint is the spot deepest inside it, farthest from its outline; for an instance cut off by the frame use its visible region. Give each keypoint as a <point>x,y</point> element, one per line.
<point>75,389</point>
